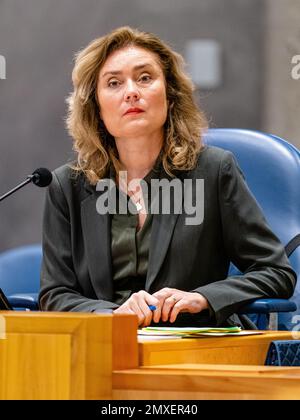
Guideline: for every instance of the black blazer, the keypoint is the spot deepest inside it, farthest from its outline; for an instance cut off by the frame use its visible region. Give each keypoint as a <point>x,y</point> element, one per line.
<point>77,267</point>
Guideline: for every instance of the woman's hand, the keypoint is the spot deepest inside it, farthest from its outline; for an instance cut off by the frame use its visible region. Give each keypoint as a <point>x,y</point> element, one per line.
<point>173,301</point>
<point>138,304</point>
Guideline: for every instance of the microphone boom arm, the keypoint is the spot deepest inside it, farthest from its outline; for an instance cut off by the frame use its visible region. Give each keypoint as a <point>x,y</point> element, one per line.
<point>29,179</point>
<point>41,177</point>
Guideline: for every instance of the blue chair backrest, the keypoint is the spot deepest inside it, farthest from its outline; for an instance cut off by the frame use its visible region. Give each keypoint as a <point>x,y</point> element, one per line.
<point>20,269</point>
<point>271,167</point>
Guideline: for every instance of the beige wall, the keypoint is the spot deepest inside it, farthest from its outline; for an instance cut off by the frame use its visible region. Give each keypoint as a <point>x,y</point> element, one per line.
<point>281,91</point>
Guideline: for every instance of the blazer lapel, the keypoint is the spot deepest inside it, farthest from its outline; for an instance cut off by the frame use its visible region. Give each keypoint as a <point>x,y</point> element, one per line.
<point>161,234</point>
<point>162,229</point>
<point>96,234</point>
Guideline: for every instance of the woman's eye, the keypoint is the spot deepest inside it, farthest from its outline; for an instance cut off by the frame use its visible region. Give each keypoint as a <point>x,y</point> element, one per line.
<point>145,78</point>
<point>113,83</point>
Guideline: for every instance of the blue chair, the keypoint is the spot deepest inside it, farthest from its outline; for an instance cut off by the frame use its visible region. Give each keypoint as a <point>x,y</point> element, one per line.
<point>20,276</point>
<point>271,166</point>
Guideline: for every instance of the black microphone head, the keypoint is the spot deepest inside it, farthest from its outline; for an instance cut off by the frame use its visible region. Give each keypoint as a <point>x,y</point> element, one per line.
<point>42,177</point>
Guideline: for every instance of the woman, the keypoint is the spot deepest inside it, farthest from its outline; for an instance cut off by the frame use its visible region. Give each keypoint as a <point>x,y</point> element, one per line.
<point>134,121</point>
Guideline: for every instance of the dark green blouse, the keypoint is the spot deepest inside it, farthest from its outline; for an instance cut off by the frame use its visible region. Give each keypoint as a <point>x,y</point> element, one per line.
<point>130,248</point>
<point>130,251</point>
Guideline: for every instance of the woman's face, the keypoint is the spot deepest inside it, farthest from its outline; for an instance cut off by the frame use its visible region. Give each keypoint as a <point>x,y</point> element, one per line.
<point>132,79</point>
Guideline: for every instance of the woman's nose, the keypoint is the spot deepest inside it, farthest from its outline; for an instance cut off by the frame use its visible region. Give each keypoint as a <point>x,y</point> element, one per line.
<point>131,92</point>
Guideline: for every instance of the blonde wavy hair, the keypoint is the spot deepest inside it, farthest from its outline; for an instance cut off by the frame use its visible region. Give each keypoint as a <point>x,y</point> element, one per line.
<point>94,145</point>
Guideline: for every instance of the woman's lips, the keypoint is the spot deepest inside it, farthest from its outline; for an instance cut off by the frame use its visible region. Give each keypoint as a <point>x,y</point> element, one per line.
<point>133,112</point>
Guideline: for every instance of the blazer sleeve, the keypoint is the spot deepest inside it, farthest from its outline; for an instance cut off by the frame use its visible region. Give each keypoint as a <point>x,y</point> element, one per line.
<point>60,289</point>
<point>250,245</point>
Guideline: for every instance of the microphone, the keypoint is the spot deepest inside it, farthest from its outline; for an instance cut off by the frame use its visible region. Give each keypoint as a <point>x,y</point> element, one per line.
<point>41,177</point>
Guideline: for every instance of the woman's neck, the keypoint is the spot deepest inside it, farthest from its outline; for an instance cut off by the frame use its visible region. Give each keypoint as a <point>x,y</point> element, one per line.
<point>137,156</point>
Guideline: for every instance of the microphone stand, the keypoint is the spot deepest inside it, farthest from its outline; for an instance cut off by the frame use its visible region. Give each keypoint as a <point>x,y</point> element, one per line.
<point>29,179</point>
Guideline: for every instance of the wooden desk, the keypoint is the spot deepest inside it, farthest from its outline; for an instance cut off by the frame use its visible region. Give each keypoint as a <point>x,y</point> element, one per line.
<point>208,368</point>
<point>197,381</point>
<point>248,350</point>
<point>94,356</point>
<point>64,355</point>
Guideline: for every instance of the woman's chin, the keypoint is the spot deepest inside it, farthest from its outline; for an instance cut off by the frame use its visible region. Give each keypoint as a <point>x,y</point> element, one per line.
<point>137,131</point>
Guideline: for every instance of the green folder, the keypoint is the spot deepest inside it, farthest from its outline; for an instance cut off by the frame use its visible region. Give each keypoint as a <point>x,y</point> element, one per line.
<point>184,331</point>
